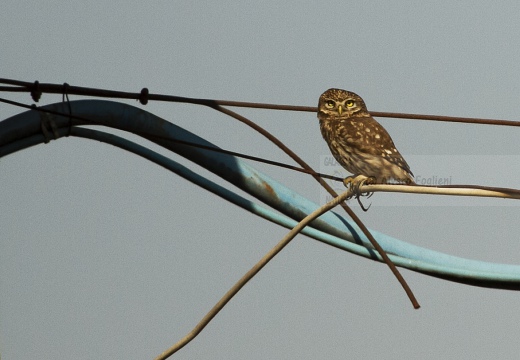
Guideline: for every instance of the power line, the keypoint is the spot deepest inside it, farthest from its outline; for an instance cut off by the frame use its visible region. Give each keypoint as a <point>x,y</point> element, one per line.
<point>37,89</point>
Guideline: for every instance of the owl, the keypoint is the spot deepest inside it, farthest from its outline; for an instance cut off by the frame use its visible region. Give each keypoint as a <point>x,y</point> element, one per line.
<point>357,141</point>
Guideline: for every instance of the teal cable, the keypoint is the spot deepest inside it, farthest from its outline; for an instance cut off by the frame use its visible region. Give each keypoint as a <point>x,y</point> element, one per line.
<point>24,130</point>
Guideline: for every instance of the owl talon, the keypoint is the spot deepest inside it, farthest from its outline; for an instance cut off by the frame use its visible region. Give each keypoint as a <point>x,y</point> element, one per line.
<point>365,209</point>
<point>370,181</point>
<point>353,183</point>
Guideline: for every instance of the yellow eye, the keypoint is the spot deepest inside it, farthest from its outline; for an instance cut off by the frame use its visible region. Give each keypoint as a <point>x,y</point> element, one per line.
<point>329,104</point>
<point>349,103</point>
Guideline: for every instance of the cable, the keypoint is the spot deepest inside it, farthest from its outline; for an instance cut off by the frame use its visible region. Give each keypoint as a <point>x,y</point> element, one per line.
<point>211,148</point>
<point>21,86</point>
<point>21,131</point>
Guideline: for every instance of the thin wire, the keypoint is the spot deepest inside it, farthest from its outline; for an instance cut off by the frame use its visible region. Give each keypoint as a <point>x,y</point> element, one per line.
<point>210,148</point>
<point>347,209</point>
<point>326,186</point>
<point>64,97</point>
<point>20,86</point>
<point>459,190</point>
<point>446,118</point>
<point>250,274</point>
<point>257,159</point>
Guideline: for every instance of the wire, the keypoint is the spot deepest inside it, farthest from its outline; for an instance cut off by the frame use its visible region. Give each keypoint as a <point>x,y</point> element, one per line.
<point>329,189</point>
<point>250,274</point>
<point>210,148</point>
<point>23,86</point>
<point>330,228</point>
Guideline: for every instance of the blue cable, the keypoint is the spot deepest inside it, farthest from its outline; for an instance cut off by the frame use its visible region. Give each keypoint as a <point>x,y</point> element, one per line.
<point>24,130</point>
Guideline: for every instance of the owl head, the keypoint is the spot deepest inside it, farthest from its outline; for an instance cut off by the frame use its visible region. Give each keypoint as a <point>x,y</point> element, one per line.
<point>341,103</point>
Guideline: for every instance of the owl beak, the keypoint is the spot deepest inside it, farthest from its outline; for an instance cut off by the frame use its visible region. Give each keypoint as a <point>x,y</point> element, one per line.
<point>340,109</point>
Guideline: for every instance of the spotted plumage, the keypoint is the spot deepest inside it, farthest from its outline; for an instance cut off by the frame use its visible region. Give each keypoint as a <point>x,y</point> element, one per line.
<point>357,141</point>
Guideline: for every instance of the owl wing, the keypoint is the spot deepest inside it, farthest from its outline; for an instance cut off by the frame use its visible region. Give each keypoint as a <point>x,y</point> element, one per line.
<point>368,136</point>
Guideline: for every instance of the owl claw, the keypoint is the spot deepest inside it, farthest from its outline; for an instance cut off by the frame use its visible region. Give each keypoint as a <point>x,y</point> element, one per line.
<point>365,209</point>
<point>353,183</point>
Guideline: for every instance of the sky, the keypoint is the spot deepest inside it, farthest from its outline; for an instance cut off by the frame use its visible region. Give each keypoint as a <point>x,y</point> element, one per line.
<point>106,255</point>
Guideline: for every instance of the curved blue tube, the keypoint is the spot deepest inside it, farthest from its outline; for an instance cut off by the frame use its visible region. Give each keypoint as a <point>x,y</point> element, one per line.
<point>24,130</point>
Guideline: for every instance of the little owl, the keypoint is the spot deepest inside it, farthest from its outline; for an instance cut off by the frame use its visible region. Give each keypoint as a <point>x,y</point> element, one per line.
<point>357,141</point>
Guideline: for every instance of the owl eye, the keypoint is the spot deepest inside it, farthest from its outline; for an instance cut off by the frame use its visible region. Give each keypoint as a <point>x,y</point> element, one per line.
<point>329,104</point>
<point>349,103</point>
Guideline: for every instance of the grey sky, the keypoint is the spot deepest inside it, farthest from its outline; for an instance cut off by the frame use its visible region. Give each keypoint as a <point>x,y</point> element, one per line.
<point>105,255</point>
